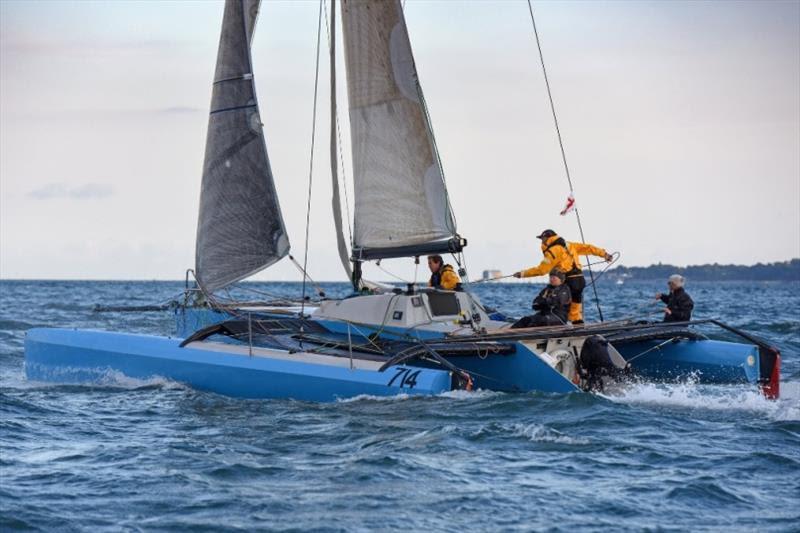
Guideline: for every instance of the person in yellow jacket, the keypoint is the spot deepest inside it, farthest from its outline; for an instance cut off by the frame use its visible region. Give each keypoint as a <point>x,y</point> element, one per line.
<point>566,256</point>
<point>442,276</point>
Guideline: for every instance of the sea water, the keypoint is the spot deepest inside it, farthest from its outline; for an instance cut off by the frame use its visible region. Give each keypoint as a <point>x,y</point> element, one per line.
<point>127,454</point>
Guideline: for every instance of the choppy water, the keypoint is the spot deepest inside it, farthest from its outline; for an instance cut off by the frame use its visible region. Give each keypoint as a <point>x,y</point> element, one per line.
<point>133,455</point>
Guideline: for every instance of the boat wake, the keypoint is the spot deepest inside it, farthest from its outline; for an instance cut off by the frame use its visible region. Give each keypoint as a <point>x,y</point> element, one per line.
<point>695,396</point>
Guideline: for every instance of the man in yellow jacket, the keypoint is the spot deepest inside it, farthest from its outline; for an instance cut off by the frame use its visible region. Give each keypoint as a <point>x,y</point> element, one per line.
<point>566,256</point>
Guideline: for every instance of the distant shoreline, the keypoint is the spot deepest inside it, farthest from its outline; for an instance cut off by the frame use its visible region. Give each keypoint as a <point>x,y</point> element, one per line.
<point>781,271</point>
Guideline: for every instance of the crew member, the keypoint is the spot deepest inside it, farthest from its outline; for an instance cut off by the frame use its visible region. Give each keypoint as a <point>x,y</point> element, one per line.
<point>679,303</point>
<point>551,305</point>
<point>565,255</point>
<point>442,276</point>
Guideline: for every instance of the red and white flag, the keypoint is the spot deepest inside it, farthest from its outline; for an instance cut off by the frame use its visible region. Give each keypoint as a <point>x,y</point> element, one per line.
<point>569,206</point>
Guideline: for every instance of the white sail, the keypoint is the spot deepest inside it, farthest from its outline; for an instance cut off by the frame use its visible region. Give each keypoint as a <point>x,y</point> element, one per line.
<point>400,197</point>
<point>240,229</point>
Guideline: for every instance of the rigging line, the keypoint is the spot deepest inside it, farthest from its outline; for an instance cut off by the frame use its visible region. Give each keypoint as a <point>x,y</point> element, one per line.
<point>563,153</point>
<point>604,270</point>
<point>311,159</point>
<point>339,139</point>
<point>468,291</point>
<point>306,275</point>
<point>276,297</point>
<point>395,276</point>
<point>550,96</point>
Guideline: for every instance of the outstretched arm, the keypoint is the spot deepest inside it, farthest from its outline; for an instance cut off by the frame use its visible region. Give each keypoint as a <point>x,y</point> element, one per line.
<point>589,249</point>
<point>540,270</point>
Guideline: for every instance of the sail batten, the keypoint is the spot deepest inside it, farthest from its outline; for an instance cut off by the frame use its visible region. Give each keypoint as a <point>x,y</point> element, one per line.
<point>240,228</point>
<point>400,197</point>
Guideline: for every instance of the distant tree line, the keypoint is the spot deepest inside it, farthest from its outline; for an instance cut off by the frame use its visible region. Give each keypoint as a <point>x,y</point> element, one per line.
<point>782,271</point>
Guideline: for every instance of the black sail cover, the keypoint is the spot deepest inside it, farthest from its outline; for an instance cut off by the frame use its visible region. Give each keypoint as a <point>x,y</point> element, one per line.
<point>240,229</point>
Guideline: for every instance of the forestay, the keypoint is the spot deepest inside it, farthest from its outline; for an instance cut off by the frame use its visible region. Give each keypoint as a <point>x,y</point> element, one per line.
<point>401,204</point>
<point>240,229</point>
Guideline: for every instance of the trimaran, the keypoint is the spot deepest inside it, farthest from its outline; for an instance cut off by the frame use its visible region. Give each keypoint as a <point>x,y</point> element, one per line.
<point>413,340</point>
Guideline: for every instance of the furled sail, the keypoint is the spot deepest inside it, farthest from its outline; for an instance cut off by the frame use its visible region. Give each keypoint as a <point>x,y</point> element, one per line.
<point>240,229</point>
<point>401,204</point>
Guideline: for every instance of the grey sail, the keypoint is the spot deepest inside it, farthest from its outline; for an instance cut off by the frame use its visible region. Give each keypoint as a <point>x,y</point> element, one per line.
<point>240,229</point>
<point>401,204</point>
<point>336,201</point>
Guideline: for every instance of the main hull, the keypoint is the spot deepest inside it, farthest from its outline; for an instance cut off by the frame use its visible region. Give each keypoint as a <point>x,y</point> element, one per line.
<point>85,356</point>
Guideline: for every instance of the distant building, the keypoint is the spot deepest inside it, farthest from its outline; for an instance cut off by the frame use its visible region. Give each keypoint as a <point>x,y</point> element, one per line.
<point>492,274</point>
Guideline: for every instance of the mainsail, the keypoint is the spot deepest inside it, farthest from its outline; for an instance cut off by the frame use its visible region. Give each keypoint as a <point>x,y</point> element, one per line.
<point>401,204</point>
<point>240,229</point>
<point>341,245</point>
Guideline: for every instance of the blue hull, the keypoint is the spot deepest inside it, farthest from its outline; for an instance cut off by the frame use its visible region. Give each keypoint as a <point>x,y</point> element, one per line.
<point>707,361</point>
<point>81,356</point>
<point>521,371</point>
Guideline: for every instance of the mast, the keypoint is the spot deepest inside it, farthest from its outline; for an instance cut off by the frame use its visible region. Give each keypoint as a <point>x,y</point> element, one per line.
<point>240,228</point>
<point>401,203</point>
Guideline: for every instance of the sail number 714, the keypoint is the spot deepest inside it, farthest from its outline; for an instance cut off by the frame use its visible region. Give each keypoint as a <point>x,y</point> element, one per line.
<point>407,378</point>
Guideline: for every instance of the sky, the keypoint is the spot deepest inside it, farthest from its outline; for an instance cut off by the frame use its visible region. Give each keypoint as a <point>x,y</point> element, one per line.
<point>680,120</point>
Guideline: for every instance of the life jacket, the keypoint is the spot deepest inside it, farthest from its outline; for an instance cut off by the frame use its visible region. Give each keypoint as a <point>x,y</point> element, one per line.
<point>576,267</point>
<point>436,278</point>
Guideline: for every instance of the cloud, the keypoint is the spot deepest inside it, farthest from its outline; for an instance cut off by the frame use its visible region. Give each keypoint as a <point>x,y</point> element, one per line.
<point>81,192</point>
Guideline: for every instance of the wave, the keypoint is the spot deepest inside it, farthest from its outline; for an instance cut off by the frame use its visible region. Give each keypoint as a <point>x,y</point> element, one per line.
<point>540,433</point>
<point>706,490</point>
<point>533,432</point>
<point>15,325</point>
<point>479,394</point>
<point>103,378</point>
<point>116,379</point>
<point>375,398</point>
